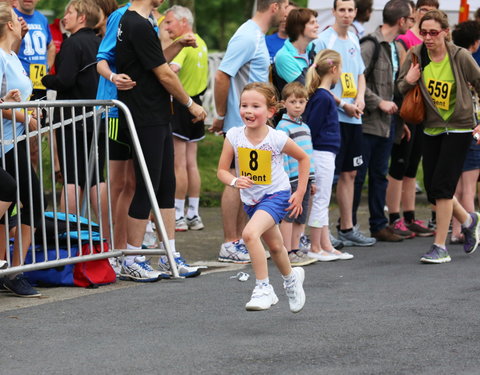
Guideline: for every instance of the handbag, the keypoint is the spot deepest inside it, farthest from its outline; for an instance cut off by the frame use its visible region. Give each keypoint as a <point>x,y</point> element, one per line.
<point>412,110</point>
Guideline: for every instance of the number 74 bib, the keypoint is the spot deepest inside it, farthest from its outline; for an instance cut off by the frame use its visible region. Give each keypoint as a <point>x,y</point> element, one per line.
<point>256,164</point>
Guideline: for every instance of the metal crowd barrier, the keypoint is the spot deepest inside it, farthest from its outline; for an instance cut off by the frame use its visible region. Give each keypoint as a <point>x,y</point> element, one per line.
<point>50,190</point>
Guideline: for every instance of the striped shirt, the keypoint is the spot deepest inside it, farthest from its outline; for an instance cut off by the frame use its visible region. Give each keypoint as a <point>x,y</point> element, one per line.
<point>299,132</point>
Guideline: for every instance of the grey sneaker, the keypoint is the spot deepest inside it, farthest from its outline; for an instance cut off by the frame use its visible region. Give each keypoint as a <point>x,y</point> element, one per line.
<point>195,223</point>
<point>336,243</point>
<point>471,234</point>
<point>436,255</point>
<point>355,238</point>
<point>299,258</point>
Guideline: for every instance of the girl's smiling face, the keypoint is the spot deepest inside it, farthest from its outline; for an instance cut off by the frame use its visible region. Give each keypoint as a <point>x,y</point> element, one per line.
<point>253,109</point>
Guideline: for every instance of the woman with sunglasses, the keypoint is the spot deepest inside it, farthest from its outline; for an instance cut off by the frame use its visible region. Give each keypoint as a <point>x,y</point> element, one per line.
<point>444,72</point>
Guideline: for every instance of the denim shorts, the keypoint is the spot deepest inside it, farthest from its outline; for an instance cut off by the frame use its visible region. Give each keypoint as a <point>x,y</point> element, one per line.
<point>302,218</point>
<point>274,204</point>
<point>472,161</point>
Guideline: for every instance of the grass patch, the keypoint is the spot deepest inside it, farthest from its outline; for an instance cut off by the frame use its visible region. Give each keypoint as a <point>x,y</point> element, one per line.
<point>209,150</point>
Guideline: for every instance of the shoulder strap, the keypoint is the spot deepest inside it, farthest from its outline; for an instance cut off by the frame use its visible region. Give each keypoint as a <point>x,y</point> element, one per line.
<point>376,53</point>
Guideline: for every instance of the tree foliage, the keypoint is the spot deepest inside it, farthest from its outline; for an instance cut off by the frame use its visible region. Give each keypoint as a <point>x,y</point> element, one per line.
<point>216,20</point>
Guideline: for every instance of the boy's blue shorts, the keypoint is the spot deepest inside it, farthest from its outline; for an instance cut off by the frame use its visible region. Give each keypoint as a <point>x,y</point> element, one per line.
<point>275,204</point>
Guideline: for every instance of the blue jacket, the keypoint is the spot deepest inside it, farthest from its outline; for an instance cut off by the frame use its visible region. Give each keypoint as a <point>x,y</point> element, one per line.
<point>322,118</point>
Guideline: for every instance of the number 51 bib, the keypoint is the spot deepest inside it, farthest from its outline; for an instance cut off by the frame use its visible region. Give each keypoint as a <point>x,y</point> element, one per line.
<point>256,164</point>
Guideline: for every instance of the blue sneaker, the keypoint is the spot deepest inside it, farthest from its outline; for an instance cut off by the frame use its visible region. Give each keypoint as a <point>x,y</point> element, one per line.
<point>184,269</point>
<point>20,287</point>
<point>436,255</point>
<point>471,234</point>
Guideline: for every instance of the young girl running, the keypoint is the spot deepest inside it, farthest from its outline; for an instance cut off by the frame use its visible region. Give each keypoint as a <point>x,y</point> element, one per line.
<point>322,118</point>
<point>265,191</point>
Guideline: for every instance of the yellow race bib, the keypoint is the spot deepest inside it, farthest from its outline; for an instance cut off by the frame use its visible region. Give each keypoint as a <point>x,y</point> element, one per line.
<point>37,72</point>
<point>256,164</point>
<point>440,92</point>
<point>349,88</point>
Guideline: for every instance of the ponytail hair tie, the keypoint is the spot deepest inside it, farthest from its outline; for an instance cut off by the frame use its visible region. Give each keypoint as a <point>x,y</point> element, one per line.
<point>314,66</point>
<point>330,62</point>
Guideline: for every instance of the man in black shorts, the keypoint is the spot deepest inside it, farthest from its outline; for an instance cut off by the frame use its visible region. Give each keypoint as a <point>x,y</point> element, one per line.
<point>140,56</point>
<point>191,65</point>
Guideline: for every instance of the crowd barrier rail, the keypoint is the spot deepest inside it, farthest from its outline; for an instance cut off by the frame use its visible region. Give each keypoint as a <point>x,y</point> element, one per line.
<point>84,118</point>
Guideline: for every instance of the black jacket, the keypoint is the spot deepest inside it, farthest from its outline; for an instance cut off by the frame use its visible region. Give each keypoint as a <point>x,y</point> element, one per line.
<point>75,64</point>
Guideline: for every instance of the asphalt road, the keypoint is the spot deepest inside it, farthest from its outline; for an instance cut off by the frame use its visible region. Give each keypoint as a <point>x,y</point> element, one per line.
<point>381,313</point>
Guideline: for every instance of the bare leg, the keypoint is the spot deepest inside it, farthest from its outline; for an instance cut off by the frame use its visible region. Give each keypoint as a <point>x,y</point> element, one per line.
<point>345,188</point>
<point>180,162</point>
<point>26,233</point>
<point>260,223</point>
<point>231,204</point>
<point>194,180</point>
<point>286,231</point>
<point>297,231</point>
<point>408,195</point>
<point>273,239</point>
<point>394,195</point>
<point>122,183</point>
<point>445,209</point>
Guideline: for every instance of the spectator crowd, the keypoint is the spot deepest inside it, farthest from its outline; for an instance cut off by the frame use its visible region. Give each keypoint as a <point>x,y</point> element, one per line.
<point>332,95</point>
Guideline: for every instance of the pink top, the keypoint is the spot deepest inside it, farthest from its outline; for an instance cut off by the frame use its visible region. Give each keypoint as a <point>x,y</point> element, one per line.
<point>410,39</point>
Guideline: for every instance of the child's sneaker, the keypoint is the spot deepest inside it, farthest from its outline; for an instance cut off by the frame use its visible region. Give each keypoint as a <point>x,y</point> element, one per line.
<point>471,234</point>
<point>305,243</point>
<point>234,252</point>
<point>294,290</point>
<point>263,297</point>
<point>299,258</point>
<point>184,269</point>
<point>195,223</point>
<point>181,225</point>
<point>140,271</point>
<point>436,255</point>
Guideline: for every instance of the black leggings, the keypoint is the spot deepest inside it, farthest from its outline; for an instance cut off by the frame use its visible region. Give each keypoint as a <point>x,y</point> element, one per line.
<point>8,186</point>
<point>443,158</point>
<point>23,184</point>
<point>157,147</point>
<point>78,160</point>
<point>406,155</point>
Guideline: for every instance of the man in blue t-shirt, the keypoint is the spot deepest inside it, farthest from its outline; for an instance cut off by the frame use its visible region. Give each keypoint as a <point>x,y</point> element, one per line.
<point>246,60</point>
<point>37,51</point>
<point>276,40</point>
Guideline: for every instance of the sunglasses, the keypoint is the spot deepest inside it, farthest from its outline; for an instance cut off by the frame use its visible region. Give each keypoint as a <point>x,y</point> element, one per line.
<point>432,33</point>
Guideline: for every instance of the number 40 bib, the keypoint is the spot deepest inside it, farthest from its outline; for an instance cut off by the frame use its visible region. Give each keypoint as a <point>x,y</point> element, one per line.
<point>256,164</point>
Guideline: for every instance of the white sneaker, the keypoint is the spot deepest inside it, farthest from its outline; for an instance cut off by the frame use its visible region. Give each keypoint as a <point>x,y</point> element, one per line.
<point>323,256</point>
<point>294,290</point>
<point>181,225</point>
<point>150,240</point>
<point>195,223</point>
<point>140,271</point>
<point>344,256</point>
<point>115,263</point>
<point>3,264</point>
<point>263,297</point>
<point>234,252</point>
<point>184,269</point>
